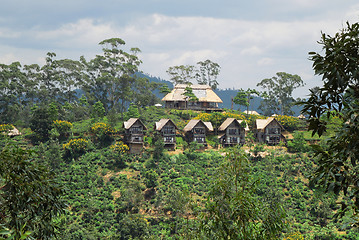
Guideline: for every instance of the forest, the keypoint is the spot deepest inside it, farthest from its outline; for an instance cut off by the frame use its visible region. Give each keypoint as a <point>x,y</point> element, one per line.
<point>68,174</point>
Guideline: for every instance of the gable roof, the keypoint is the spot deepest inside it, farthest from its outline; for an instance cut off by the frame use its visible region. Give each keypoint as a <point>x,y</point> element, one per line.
<point>193,122</point>
<point>228,122</point>
<point>263,123</point>
<point>161,123</point>
<point>131,121</point>
<point>250,112</point>
<point>204,93</point>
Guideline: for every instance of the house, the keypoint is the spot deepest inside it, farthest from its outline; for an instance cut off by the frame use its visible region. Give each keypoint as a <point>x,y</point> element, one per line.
<point>232,132</point>
<point>167,130</point>
<point>196,131</point>
<point>207,98</point>
<point>269,131</point>
<point>250,112</point>
<point>134,134</point>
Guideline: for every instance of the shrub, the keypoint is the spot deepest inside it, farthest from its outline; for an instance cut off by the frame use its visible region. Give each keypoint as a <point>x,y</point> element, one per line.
<point>102,132</point>
<point>120,147</point>
<point>62,127</point>
<point>75,147</point>
<point>6,127</point>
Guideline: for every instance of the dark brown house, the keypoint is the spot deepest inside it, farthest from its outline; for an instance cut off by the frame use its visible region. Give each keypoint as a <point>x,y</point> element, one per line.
<point>232,132</point>
<point>134,134</point>
<point>196,131</point>
<point>167,130</point>
<point>269,131</point>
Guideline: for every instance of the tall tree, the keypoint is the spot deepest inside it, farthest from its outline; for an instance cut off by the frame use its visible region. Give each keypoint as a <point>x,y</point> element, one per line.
<point>70,77</point>
<point>234,209</point>
<point>279,91</point>
<point>339,96</point>
<point>113,74</point>
<point>49,80</point>
<point>207,73</point>
<point>11,91</point>
<point>181,74</point>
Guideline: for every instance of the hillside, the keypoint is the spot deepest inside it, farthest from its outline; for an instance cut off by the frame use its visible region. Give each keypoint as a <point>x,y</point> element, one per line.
<point>161,194</point>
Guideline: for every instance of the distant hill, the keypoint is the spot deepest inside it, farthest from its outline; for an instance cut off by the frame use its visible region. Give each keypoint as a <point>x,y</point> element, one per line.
<point>225,94</point>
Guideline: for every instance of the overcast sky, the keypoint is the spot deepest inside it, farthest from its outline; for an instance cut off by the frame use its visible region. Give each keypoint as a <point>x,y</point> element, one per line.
<point>250,40</point>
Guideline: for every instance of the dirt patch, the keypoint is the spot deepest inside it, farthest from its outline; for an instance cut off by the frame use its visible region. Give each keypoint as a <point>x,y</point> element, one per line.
<point>116,194</point>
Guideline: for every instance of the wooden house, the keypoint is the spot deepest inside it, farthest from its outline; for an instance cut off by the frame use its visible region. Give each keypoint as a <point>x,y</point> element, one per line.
<point>196,131</point>
<point>269,131</point>
<point>134,134</point>
<point>232,132</point>
<point>167,130</point>
<point>207,98</point>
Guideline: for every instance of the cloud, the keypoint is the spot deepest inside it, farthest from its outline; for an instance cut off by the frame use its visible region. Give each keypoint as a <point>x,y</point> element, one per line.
<point>247,50</point>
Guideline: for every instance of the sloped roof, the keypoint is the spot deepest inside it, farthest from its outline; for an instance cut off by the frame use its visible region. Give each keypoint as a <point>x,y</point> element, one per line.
<point>263,123</point>
<point>193,122</point>
<point>14,132</point>
<point>131,121</point>
<point>204,93</point>
<point>250,112</point>
<point>161,123</point>
<point>228,122</point>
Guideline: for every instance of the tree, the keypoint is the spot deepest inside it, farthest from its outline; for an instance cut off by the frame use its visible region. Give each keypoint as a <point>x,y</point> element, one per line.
<point>279,88</point>
<point>234,211</point>
<point>164,89</point>
<point>111,76</point>
<point>189,95</point>
<point>30,197</point>
<point>339,97</point>
<point>12,91</point>
<point>208,73</point>
<point>181,74</point>
<point>241,98</point>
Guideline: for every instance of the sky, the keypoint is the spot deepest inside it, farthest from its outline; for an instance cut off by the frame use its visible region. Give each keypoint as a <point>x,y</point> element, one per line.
<point>250,40</point>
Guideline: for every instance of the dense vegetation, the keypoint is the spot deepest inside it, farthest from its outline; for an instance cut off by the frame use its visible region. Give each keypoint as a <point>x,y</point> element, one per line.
<point>111,194</point>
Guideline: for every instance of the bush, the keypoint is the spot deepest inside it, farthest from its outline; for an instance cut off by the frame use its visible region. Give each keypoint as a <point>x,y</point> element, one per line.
<point>102,133</point>
<point>62,127</point>
<point>75,147</point>
<point>298,144</point>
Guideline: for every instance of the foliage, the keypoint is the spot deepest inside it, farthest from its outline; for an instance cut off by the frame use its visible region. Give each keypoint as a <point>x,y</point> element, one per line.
<point>339,96</point>
<point>102,132</point>
<point>76,147</point>
<point>207,73</point>
<point>29,195</point>
<point>278,98</point>
<point>289,123</point>
<point>120,148</point>
<point>41,123</point>
<point>62,126</point>
<point>181,74</point>
<point>233,209</point>
<point>98,110</point>
<point>4,128</point>
<point>298,144</point>
<point>150,178</point>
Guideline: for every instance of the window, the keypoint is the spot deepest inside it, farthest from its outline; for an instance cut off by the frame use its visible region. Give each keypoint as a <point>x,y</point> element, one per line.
<point>233,140</point>
<point>168,139</point>
<point>168,130</point>
<point>198,131</point>
<point>136,130</point>
<point>232,131</point>
<point>199,139</point>
<point>273,130</point>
